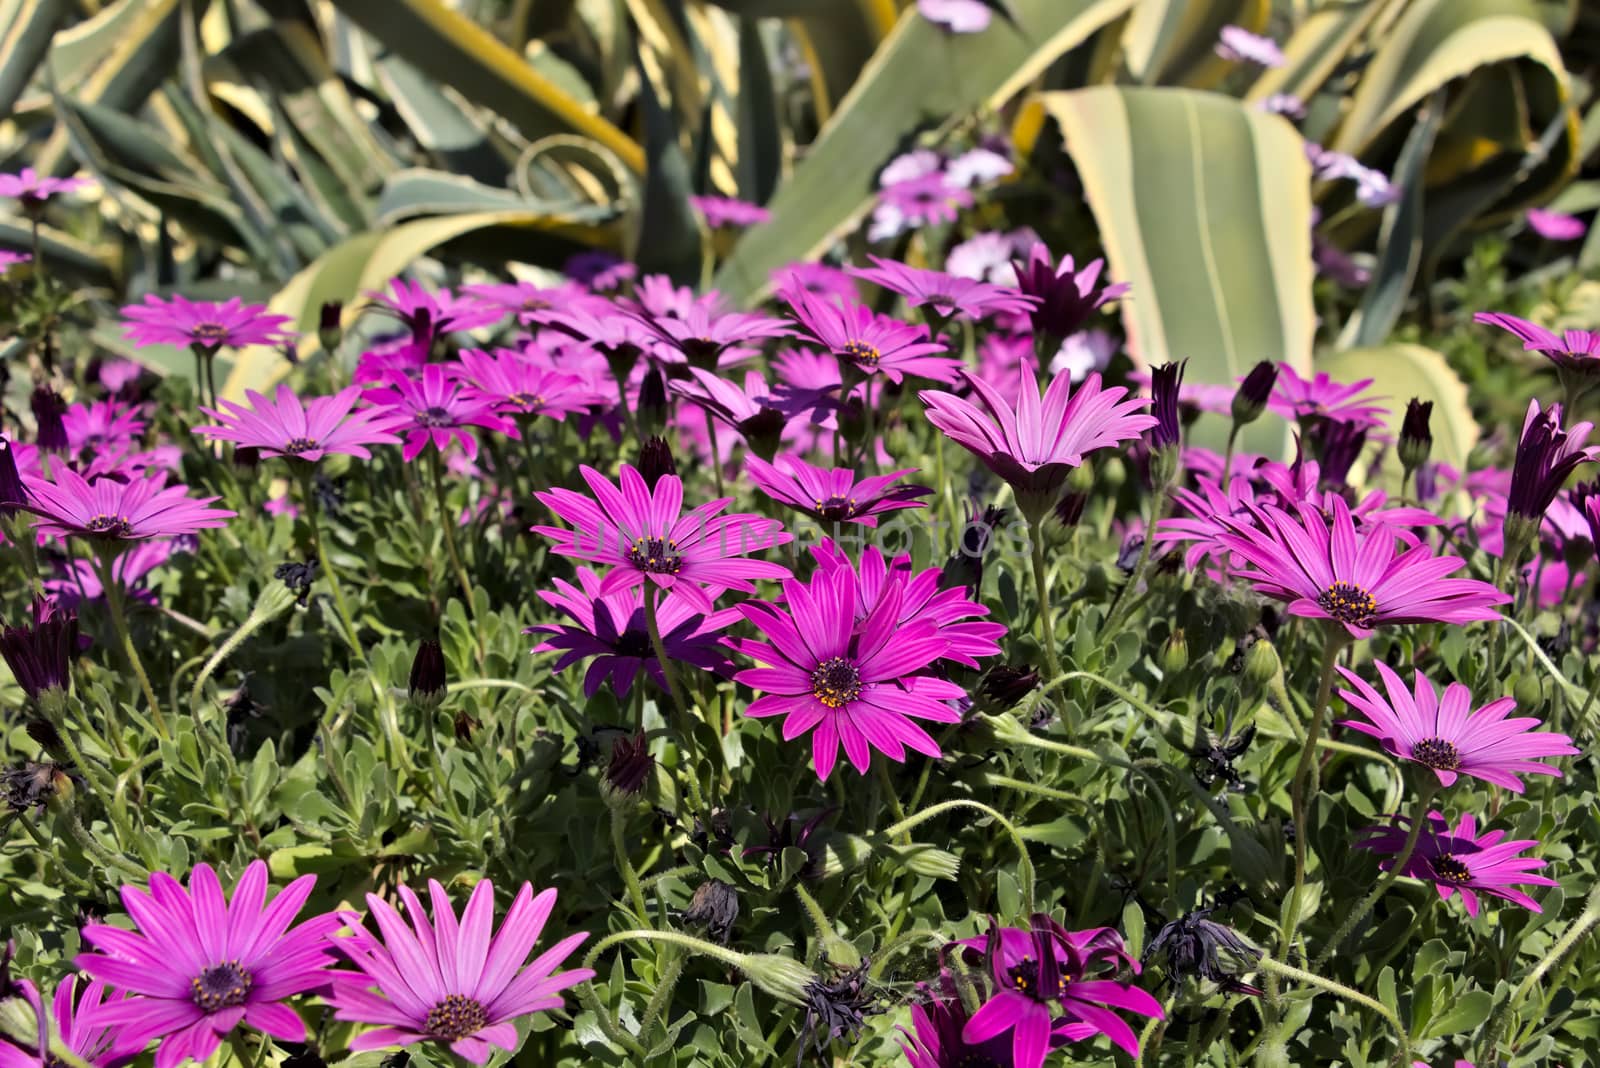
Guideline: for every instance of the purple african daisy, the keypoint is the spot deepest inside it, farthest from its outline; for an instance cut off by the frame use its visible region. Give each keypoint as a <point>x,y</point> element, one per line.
<point>1202,526</point>
<point>530,303</point>
<point>834,495</point>
<point>946,294</point>
<point>957,16</point>
<point>1448,735</point>
<point>449,981</point>
<point>202,324</point>
<point>868,342</point>
<point>1067,296</point>
<point>200,965</point>
<point>1036,443</point>
<point>612,629</point>
<point>110,510</point>
<point>437,409</point>
<point>1554,226</point>
<point>79,579</point>
<point>101,425</point>
<point>601,271</point>
<point>1546,455</point>
<point>1571,350</point>
<point>819,279</point>
<point>1327,568</point>
<point>645,536</point>
<point>520,387</point>
<point>701,334</point>
<point>1238,45</point>
<point>758,412</point>
<point>1320,397</point>
<point>1459,859</point>
<point>428,314</point>
<point>10,259</point>
<point>935,1038</point>
<point>729,211</point>
<point>74,1021</point>
<point>921,201</point>
<point>32,189</point>
<point>856,686</point>
<point>1046,970</point>
<point>284,425</point>
<point>40,654</point>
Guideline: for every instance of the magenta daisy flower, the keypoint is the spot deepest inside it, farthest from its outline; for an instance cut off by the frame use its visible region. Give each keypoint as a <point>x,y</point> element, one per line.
<point>73,1021</point>
<point>101,425</point>
<point>428,314</point>
<point>1044,988</point>
<point>437,409</point>
<point>10,259</point>
<point>202,324</point>
<point>611,628</point>
<point>32,189</point>
<point>1326,568</point>
<point>1460,860</point>
<point>529,302</point>
<point>756,411</point>
<point>730,212</point>
<point>946,294</point>
<point>1320,397</point>
<point>520,387</point>
<point>110,510</point>
<point>449,981</point>
<point>1571,350</point>
<point>601,271</point>
<point>200,966</point>
<point>1067,296</point>
<point>818,279</point>
<point>701,334</point>
<point>921,201</point>
<point>80,579</point>
<point>935,1038</point>
<point>1448,735</point>
<point>870,343</point>
<point>1555,226</point>
<point>645,536</point>
<point>957,16</point>
<point>834,495</point>
<point>859,687</point>
<point>1036,443</point>
<point>284,425</point>
<point>1203,526</point>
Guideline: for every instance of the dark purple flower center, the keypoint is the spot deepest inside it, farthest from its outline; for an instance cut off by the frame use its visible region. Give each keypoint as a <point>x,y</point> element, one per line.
<point>208,331</point>
<point>297,446</point>
<point>862,353</point>
<point>1349,604</point>
<point>836,682</point>
<point>659,556</point>
<point>435,417</point>
<point>112,526</point>
<point>221,986</point>
<point>837,508</point>
<point>1448,869</point>
<point>457,1016</point>
<point>1436,753</point>
<point>1024,977</point>
<point>527,401</point>
<point>634,643</point>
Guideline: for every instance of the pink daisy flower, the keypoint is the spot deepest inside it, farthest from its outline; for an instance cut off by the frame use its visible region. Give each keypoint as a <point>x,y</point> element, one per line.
<point>437,409</point>
<point>1320,397</point>
<point>645,536</point>
<point>1448,735</point>
<point>834,495</point>
<point>200,966</point>
<point>101,424</point>
<point>1239,45</point>
<point>1460,860</point>
<point>729,211</point>
<point>33,189</point>
<point>10,259</point>
<point>1327,569</point>
<point>871,343</point>
<point>528,301</point>
<point>946,294</point>
<point>1572,350</point>
<point>112,510</point>
<point>202,324</point>
<point>453,982</point>
<point>818,279</point>
<point>957,16</point>
<point>428,314</point>
<point>74,1020</point>
<point>284,425</point>
<point>521,387</point>
<point>1555,226</point>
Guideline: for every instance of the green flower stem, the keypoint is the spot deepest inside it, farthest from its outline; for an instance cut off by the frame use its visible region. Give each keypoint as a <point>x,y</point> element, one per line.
<point>782,977</point>
<point>119,623</point>
<point>668,670</point>
<point>670,974</point>
<point>1402,1054</point>
<point>716,453</point>
<point>1154,1029</point>
<point>1227,456</point>
<point>447,524</point>
<point>92,846</point>
<point>1126,597</point>
<point>630,876</point>
<point>308,497</point>
<point>1334,639</point>
<point>1419,816</point>
<point>1025,878</point>
<point>273,603</point>
<point>895,809</point>
<point>1041,586</point>
<point>1554,958</point>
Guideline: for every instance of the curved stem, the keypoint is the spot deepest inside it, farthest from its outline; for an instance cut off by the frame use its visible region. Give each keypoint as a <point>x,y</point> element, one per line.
<point>1041,586</point>
<point>1126,599</point>
<point>657,646</point>
<point>448,525</point>
<point>1227,457</point>
<point>100,853</point>
<point>266,610</point>
<point>308,497</point>
<point>1333,641</point>
<point>119,623</point>
<point>1288,971</point>
<point>1419,816</point>
<point>1557,954</point>
<point>716,451</point>
<point>630,877</point>
<point>1024,862</point>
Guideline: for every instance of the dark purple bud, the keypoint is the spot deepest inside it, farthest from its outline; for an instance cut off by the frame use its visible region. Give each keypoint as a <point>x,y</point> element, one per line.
<point>655,460</point>
<point>652,407</point>
<point>1164,384</point>
<point>40,654</point>
<point>48,409</point>
<point>965,567</point>
<point>12,492</point>
<point>1005,685</point>
<point>1069,509</point>
<point>465,723</point>
<point>428,673</point>
<point>1546,455</point>
<point>246,457</point>
<point>330,328</point>
<point>1341,443</point>
<point>1416,438</point>
<point>1251,399</point>
<point>763,432</point>
<point>1585,497</point>
<point>631,764</point>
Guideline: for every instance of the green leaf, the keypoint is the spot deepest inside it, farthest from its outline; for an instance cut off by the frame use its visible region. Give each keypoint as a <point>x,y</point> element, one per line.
<point>760,162</point>
<point>1400,372</point>
<point>1204,205</point>
<point>1467,1011</point>
<point>1174,41</point>
<point>907,84</point>
<point>25,30</point>
<point>669,238</point>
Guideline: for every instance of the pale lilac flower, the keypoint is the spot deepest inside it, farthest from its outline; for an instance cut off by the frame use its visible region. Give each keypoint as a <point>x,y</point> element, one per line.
<point>1239,45</point>
<point>1555,226</point>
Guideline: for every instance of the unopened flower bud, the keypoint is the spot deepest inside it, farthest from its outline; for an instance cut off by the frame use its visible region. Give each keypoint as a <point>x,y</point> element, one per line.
<point>48,410</point>
<point>1096,582</point>
<point>1261,664</point>
<point>852,418</point>
<point>1069,509</point>
<point>1251,398</point>
<point>330,328</point>
<point>428,674</point>
<point>12,493</point>
<point>1175,653</point>
<point>1165,382</point>
<point>1006,685</point>
<point>652,408</point>
<point>782,977</point>
<point>631,765</point>
<point>1529,695</point>
<point>655,460</point>
<point>1416,438</point>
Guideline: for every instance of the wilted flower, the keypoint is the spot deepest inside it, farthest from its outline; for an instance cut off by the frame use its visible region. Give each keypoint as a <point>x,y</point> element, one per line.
<point>298,576</point>
<point>837,1008</point>
<point>715,905</point>
<point>1005,685</point>
<point>1213,755</point>
<point>1195,945</point>
<point>330,324</point>
<point>32,785</point>
<point>631,764</point>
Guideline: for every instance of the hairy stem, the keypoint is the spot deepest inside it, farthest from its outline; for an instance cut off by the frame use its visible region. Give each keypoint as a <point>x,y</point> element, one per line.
<point>1419,816</point>
<point>119,623</point>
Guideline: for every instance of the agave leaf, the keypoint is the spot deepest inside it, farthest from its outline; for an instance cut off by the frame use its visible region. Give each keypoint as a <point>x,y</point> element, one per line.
<point>25,30</point>
<point>1400,372</point>
<point>1170,42</point>
<point>760,162</point>
<point>61,251</point>
<point>448,46</point>
<point>1313,52</point>
<point>419,191</point>
<point>838,37</point>
<point>1204,205</point>
<point>78,49</point>
<point>908,82</point>
<point>669,238</point>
